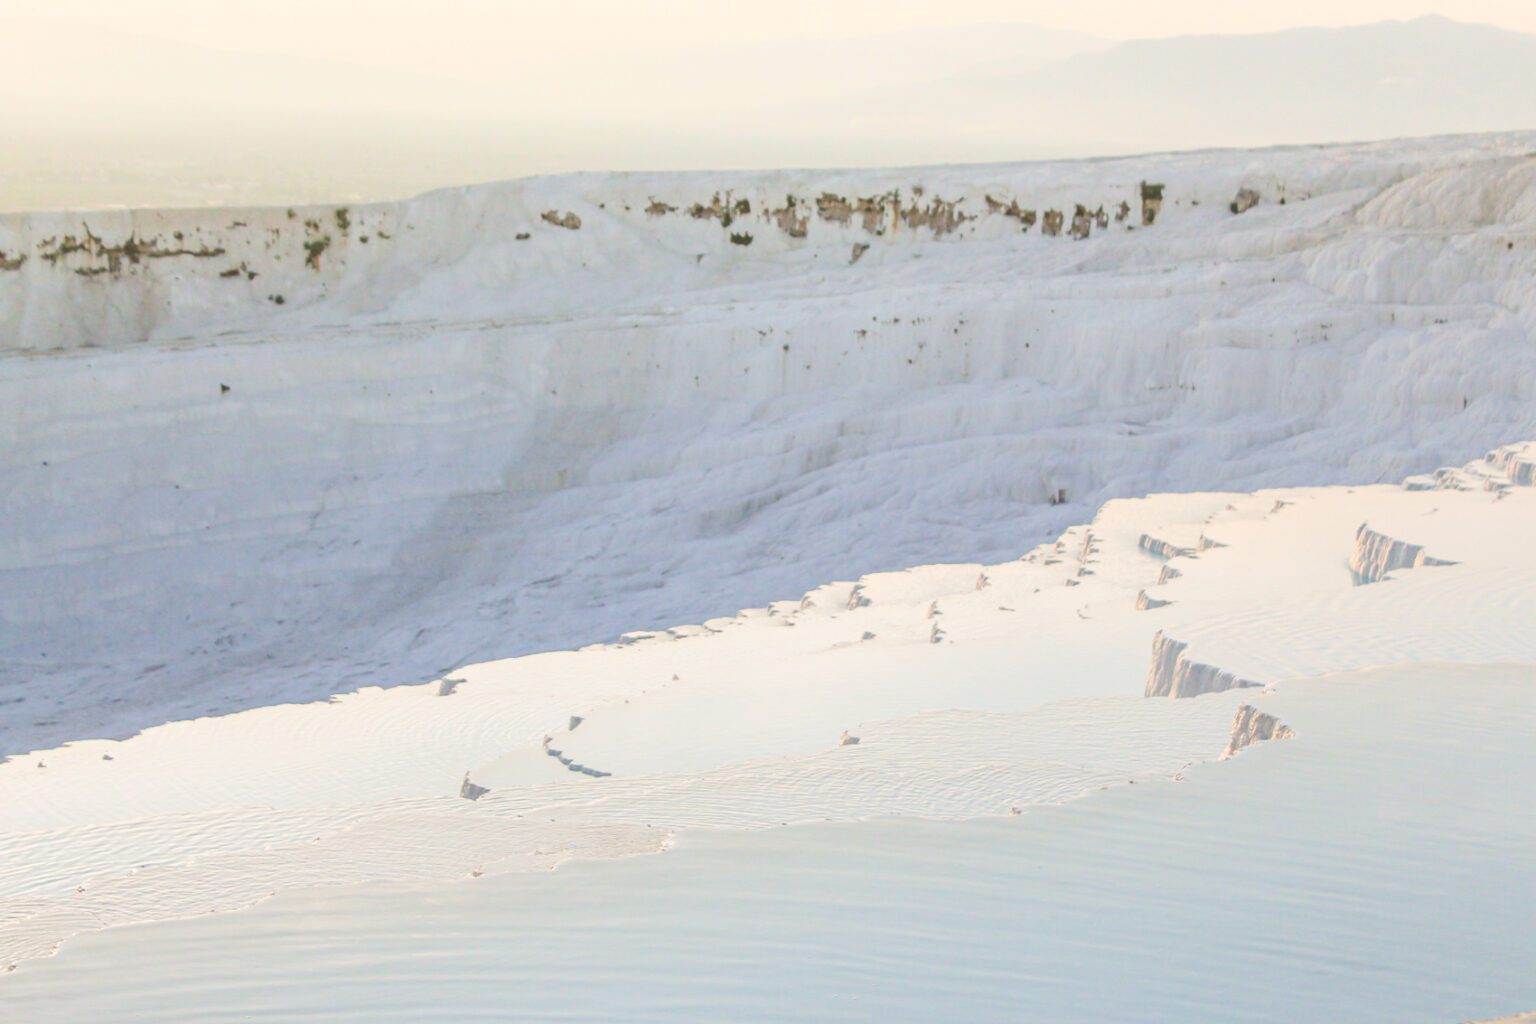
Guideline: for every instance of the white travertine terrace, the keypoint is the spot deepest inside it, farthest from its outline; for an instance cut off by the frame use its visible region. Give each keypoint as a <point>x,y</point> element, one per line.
<point>256,457</point>
<point>1375,555</point>
<point>261,470</point>
<point>1252,726</point>
<point>1035,697</point>
<point>1174,675</point>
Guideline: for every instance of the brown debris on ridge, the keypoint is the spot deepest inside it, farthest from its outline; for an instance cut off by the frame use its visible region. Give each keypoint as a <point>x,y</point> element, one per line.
<point>566,220</point>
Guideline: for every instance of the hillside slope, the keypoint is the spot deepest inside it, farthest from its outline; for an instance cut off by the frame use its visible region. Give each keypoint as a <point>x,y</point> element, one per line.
<point>263,455</point>
<point>941,693</point>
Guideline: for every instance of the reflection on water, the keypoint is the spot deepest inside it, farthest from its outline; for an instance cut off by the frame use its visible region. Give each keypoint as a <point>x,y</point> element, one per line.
<point>1379,867</point>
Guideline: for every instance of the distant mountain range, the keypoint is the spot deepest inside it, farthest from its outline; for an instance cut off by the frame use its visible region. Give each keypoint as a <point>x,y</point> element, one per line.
<point>105,118</point>
<point>1422,77</point>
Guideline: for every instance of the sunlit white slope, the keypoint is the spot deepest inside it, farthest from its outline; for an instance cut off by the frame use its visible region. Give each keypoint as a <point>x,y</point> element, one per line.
<point>470,430</point>
<point>945,691</point>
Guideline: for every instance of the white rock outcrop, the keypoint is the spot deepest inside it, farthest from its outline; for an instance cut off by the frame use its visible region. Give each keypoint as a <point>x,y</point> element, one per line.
<point>1174,675</point>
<point>1161,548</point>
<point>1376,554</point>
<point>1517,462</point>
<point>1250,726</point>
<point>1511,465</point>
<point>1245,200</point>
<point>149,511</point>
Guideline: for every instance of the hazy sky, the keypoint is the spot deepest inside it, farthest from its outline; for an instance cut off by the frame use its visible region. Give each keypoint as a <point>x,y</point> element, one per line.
<point>441,35</point>
<point>284,100</point>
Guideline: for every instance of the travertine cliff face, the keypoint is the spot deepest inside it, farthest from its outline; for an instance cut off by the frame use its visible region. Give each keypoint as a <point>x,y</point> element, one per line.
<point>1174,675</point>
<point>1251,726</point>
<point>1159,548</point>
<point>1376,554</point>
<point>1510,465</point>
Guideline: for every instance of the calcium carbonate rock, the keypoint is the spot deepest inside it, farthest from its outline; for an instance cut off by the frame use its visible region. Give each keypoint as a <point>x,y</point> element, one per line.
<point>1161,548</point>
<point>570,763</point>
<point>1245,200</point>
<point>1517,462</point>
<point>1512,465</point>
<point>1174,675</point>
<point>1252,726</point>
<point>1376,554</point>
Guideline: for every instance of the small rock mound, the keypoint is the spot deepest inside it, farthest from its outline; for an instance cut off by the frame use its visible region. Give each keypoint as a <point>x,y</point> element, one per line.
<point>469,791</point>
<point>1251,726</point>
<point>1245,200</point>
